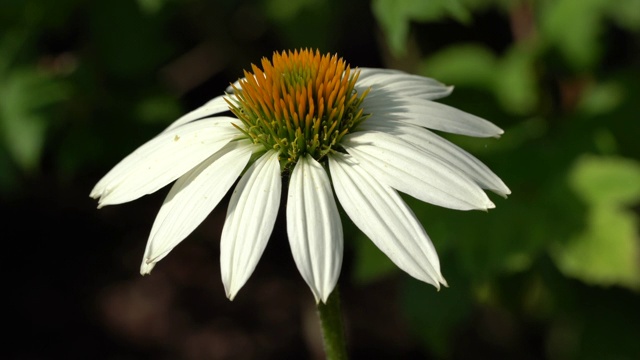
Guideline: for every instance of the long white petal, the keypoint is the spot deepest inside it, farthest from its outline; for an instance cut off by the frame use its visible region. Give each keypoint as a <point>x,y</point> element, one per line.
<point>367,72</point>
<point>444,150</point>
<point>408,169</point>
<point>383,81</point>
<point>386,219</point>
<point>250,219</point>
<point>192,198</point>
<point>212,107</point>
<point>314,227</point>
<point>428,114</point>
<point>379,76</point>
<point>163,159</point>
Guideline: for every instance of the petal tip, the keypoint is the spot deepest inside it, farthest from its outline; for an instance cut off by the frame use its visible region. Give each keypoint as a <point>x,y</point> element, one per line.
<point>439,280</point>
<point>146,266</point>
<point>489,205</point>
<point>230,289</point>
<point>322,297</point>
<point>97,191</point>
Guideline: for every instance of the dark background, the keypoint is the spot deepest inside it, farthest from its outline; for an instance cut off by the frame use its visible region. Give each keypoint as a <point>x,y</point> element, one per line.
<point>552,273</point>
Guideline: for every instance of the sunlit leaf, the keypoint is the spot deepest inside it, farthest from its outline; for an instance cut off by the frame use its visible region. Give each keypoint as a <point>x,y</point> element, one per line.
<point>607,252</point>
<point>607,180</point>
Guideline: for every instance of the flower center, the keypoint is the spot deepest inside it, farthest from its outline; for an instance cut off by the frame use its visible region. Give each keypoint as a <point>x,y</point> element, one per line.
<point>299,103</point>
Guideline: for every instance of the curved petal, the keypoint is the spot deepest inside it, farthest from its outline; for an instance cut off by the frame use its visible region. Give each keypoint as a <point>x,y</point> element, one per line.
<point>163,159</point>
<point>385,106</point>
<point>408,169</point>
<point>314,227</point>
<point>386,219</point>
<point>192,198</point>
<point>250,219</point>
<point>214,106</point>
<point>444,150</point>
<point>400,84</point>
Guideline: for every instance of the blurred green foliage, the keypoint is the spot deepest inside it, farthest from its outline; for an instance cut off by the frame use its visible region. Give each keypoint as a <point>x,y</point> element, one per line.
<point>565,88</point>
<point>83,83</point>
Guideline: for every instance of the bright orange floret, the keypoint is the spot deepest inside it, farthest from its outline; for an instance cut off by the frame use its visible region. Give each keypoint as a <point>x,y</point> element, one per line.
<point>300,102</point>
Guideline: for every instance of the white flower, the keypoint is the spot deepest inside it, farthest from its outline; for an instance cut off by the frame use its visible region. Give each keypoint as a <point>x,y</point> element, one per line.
<point>361,133</point>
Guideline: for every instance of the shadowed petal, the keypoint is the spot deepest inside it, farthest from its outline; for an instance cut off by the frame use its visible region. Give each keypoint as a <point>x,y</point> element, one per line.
<point>250,219</point>
<point>400,84</point>
<point>384,217</point>
<point>408,169</point>
<point>385,106</point>
<point>444,150</point>
<point>163,159</point>
<point>192,198</point>
<point>314,227</point>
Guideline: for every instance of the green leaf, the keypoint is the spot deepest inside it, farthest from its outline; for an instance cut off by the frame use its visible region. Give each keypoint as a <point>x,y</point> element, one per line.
<point>606,180</point>
<point>607,252</point>
<point>573,27</point>
<point>515,81</point>
<point>395,16</point>
<point>24,96</point>
<point>464,65</point>
<point>511,78</point>
<point>626,13</point>
<point>600,98</point>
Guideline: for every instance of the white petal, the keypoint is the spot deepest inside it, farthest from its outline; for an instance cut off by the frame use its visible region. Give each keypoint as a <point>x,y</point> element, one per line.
<point>428,114</point>
<point>250,219</point>
<point>214,106</point>
<point>367,72</point>
<point>443,150</point>
<point>408,169</point>
<point>382,81</point>
<point>314,227</point>
<point>163,159</point>
<point>386,219</point>
<point>193,197</point>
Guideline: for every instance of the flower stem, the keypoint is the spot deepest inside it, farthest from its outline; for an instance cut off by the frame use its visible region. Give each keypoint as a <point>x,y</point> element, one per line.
<point>330,315</point>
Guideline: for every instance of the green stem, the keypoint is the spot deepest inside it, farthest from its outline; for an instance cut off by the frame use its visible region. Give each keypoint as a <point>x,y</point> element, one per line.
<point>330,315</point>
